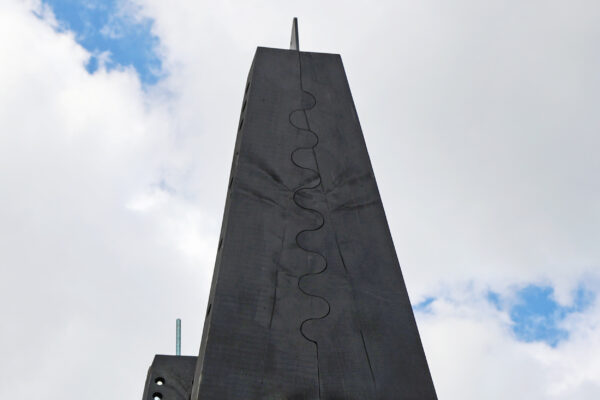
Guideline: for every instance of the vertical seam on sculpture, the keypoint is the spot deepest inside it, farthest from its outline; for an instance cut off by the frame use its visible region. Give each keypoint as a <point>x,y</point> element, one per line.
<point>314,211</point>
<point>277,264</point>
<point>274,297</point>
<point>277,278</point>
<point>368,358</point>
<point>340,250</point>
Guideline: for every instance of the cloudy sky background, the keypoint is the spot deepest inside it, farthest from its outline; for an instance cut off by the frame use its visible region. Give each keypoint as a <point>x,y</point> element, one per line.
<point>117,126</point>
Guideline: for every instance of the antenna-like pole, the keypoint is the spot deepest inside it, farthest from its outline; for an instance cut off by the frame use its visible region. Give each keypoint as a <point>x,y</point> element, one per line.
<point>295,40</point>
<point>178,337</point>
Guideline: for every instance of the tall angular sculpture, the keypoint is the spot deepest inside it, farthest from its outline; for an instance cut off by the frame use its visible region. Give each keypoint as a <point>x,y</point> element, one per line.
<point>307,299</point>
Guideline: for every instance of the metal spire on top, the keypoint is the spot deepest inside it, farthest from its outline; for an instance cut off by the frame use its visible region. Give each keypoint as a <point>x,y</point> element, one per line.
<point>295,40</point>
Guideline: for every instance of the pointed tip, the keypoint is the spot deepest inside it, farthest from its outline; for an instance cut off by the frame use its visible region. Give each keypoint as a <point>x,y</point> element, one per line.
<point>295,40</point>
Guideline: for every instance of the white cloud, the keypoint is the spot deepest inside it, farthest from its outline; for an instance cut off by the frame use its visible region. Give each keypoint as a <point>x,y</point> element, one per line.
<point>473,354</point>
<point>482,127</point>
<point>90,288</point>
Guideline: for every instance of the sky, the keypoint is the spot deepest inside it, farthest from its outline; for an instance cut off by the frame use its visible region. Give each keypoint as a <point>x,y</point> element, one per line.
<point>117,126</point>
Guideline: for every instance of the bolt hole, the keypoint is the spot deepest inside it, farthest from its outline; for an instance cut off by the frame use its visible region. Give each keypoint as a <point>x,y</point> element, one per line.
<point>157,396</point>
<point>247,87</point>
<point>208,310</point>
<point>241,123</point>
<point>220,243</point>
<point>244,106</point>
<point>230,182</point>
<point>159,381</point>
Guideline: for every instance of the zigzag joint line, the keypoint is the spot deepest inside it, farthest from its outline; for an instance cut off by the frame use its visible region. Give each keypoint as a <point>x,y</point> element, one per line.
<point>313,211</point>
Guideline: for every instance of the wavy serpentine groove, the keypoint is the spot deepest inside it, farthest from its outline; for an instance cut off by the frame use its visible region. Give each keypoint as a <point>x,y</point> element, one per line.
<point>313,211</point>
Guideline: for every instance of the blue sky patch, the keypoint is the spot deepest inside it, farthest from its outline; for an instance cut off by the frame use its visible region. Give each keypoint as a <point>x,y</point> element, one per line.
<point>536,316</point>
<point>494,298</point>
<point>110,30</point>
<point>424,305</point>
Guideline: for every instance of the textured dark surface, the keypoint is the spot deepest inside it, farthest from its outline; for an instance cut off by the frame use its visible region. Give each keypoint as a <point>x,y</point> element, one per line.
<point>176,374</point>
<point>308,300</point>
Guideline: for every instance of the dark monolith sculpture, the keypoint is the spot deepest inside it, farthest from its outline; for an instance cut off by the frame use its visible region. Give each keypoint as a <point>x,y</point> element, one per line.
<point>307,299</point>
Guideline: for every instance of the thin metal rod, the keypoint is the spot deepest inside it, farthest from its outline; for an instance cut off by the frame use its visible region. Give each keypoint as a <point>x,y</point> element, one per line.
<point>178,338</point>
